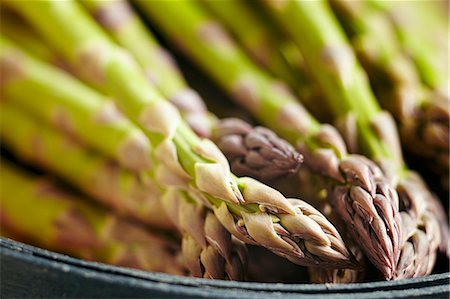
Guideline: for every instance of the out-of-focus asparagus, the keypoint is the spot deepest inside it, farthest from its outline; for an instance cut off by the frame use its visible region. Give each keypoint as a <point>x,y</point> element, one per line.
<point>334,66</point>
<point>69,105</point>
<point>422,28</point>
<point>252,211</point>
<point>15,29</point>
<point>423,116</point>
<point>257,36</point>
<point>125,27</point>
<point>44,147</point>
<point>256,152</point>
<point>39,209</point>
<point>127,193</point>
<point>371,206</point>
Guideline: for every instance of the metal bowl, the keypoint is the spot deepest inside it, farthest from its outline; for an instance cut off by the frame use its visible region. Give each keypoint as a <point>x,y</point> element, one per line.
<point>28,271</point>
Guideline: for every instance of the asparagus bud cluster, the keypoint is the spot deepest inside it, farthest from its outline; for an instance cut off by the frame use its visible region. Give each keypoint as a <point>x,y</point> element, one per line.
<point>255,152</point>
<point>210,251</point>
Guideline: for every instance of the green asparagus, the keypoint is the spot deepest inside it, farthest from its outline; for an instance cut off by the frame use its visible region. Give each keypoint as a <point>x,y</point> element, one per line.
<point>283,61</point>
<point>37,208</point>
<point>335,67</point>
<point>251,151</point>
<point>123,191</point>
<point>253,212</point>
<point>140,198</point>
<point>355,182</point>
<point>423,117</point>
<point>413,22</point>
<point>72,107</point>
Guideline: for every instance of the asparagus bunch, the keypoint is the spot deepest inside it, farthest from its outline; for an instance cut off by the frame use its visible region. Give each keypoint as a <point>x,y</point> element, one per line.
<point>42,211</point>
<point>356,183</point>
<point>423,117</point>
<point>143,204</point>
<point>256,152</point>
<point>72,107</point>
<point>126,193</point>
<point>253,212</point>
<point>336,69</point>
<point>53,147</point>
<point>339,275</point>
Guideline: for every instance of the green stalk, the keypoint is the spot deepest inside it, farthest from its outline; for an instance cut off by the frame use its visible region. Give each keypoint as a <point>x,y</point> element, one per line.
<point>46,214</point>
<point>423,117</point>
<point>258,37</point>
<point>159,66</point>
<point>258,40</point>
<point>16,30</point>
<point>414,23</point>
<point>205,42</point>
<point>72,107</point>
<point>193,162</point>
<point>336,69</point>
<point>109,184</point>
<point>231,68</point>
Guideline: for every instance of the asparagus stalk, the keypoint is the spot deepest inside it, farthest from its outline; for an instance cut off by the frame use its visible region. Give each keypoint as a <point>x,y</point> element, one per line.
<point>357,185</point>
<point>252,151</point>
<point>260,151</point>
<point>258,39</point>
<point>413,23</point>
<point>51,217</point>
<point>72,107</point>
<point>344,82</point>
<point>121,190</point>
<point>15,29</point>
<point>125,27</point>
<point>250,210</point>
<point>138,200</point>
<point>423,117</point>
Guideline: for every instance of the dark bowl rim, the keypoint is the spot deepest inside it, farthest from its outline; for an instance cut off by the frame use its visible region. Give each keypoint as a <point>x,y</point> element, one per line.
<point>64,262</point>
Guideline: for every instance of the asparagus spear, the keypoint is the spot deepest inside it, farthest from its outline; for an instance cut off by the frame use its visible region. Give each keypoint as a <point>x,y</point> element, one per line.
<point>255,152</point>
<point>125,27</point>
<point>413,23</point>
<point>422,234</point>
<point>15,29</point>
<point>368,204</point>
<point>234,269</point>
<point>336,69</point>
<point>250,210</point>
<point>119,189</point>
<point>208,248</point>
<point>423,117</point>
<point>72,107</point>
<point>51,217</point>
<point>283,61</point>
<point>317,275</point>
<point>138,200</point>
